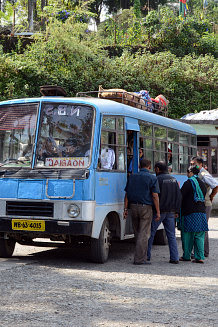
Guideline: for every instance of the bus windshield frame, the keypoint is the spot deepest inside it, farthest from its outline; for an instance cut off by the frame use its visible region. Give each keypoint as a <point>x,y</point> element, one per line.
<point>65,135</point>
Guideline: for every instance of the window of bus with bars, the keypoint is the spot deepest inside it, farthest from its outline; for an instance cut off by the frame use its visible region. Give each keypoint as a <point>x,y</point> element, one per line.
<point>112,151</point>
<point>165,144</point>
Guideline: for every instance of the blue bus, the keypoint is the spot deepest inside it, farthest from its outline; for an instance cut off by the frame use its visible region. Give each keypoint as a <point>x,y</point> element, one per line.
<point>64,166</point>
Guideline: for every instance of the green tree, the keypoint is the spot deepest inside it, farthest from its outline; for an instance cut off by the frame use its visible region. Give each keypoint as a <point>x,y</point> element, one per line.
<point>160,31</point>
<point>137,8</point>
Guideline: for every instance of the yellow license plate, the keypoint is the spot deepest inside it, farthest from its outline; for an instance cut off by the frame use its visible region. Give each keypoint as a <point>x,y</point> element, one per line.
<point>30,225</point>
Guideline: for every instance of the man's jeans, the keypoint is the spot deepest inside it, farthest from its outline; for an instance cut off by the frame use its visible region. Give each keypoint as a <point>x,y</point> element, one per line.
<point>168,220</point>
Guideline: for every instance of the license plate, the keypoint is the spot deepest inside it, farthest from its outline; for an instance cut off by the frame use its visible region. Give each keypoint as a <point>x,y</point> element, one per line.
<point>30,225</point>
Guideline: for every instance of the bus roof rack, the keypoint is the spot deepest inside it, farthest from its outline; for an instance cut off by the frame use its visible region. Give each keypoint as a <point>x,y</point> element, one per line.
<point>52,90</point>
<point>130,98</point>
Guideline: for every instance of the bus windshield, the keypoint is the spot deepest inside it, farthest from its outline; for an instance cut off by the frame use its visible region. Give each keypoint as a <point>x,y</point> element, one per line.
<point>17,133</point>
<point>65,135</point>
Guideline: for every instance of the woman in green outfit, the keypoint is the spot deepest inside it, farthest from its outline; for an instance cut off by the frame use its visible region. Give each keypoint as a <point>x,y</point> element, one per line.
<point>193,212</point>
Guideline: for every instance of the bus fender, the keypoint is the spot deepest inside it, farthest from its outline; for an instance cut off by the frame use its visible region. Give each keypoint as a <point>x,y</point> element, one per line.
<point>114,221</point>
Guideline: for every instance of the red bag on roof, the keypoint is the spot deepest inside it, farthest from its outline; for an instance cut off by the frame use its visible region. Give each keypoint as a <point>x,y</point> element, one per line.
<point>162,100</point>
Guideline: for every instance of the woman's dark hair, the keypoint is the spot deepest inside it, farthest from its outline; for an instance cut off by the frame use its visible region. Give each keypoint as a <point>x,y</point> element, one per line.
<point>193,169</point>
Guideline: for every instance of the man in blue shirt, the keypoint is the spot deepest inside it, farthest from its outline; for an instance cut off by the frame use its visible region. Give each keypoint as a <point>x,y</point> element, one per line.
<point>141,194</point>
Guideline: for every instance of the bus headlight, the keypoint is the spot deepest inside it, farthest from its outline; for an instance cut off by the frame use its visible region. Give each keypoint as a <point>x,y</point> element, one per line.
<point>73,211</point>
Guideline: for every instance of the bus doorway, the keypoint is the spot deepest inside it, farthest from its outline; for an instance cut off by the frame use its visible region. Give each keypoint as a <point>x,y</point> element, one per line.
<point>132,167</point>
<point>132,152</point>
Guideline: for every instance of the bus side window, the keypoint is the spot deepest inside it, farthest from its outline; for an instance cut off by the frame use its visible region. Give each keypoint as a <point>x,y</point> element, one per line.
<point>112,149</point>
<point>107,153</point>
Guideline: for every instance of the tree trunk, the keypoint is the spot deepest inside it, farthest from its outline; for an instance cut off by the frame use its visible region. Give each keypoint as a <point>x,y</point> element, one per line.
<point>43,4</point>
<point>30,14</point>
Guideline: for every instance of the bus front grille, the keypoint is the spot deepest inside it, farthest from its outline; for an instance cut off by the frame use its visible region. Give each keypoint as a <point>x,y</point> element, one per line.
<point>33,209</point>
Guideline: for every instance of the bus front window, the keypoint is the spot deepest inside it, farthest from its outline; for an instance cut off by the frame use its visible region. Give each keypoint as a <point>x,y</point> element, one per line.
<point>65,135</point>
<point>17,133</point>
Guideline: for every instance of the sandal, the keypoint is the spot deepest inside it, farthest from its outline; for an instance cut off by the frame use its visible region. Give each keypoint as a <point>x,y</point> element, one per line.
<point>197,261</point>
<point>182,259</point>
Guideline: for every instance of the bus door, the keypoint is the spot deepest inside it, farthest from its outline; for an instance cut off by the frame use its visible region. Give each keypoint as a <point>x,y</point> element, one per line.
<point>132,140</point>
<point>132,152</point>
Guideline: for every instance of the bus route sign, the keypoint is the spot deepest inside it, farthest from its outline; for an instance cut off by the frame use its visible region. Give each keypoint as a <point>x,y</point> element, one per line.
<point>73,162</point>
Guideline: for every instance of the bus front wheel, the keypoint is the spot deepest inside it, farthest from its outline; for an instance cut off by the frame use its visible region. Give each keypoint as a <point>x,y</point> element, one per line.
<point>100,247</point>
<point>6,247</point>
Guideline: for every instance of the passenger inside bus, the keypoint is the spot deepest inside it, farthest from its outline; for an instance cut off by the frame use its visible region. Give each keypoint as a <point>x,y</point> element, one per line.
<point>84,150</point>
<point>141,156</point>
<point>129,151</point>
<point>169,160</point>
<point>48,149</point>
<point>129,158</point>
<point>107,158</point>
<point>70,148</point>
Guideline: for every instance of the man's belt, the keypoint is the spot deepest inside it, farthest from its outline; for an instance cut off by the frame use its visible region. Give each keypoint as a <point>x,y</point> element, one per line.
<point>140,203</point>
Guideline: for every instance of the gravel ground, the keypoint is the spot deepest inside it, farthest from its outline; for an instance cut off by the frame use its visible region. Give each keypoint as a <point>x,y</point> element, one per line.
<point>57,287</point>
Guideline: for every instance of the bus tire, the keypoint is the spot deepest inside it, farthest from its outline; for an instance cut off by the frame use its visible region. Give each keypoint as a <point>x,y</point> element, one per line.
<point>100,247</point>
<point>160,237</point>
<point>7,247</point>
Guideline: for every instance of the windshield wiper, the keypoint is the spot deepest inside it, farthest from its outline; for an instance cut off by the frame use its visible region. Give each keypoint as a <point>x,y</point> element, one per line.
<point>11,160</point>
<point>9,172</point>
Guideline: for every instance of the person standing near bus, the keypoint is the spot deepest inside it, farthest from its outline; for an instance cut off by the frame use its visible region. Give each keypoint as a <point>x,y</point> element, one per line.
<point>193,217</point>
<point>211,184</point>
<point>141,193</point>
<point>170,199</point>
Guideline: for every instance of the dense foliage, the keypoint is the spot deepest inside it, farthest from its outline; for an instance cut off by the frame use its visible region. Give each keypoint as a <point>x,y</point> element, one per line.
<point>77,62</point>
<point>161,31</point>
<point>174,57</point>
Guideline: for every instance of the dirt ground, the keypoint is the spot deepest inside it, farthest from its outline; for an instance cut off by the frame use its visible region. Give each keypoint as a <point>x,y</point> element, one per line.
<point>44,287</point>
